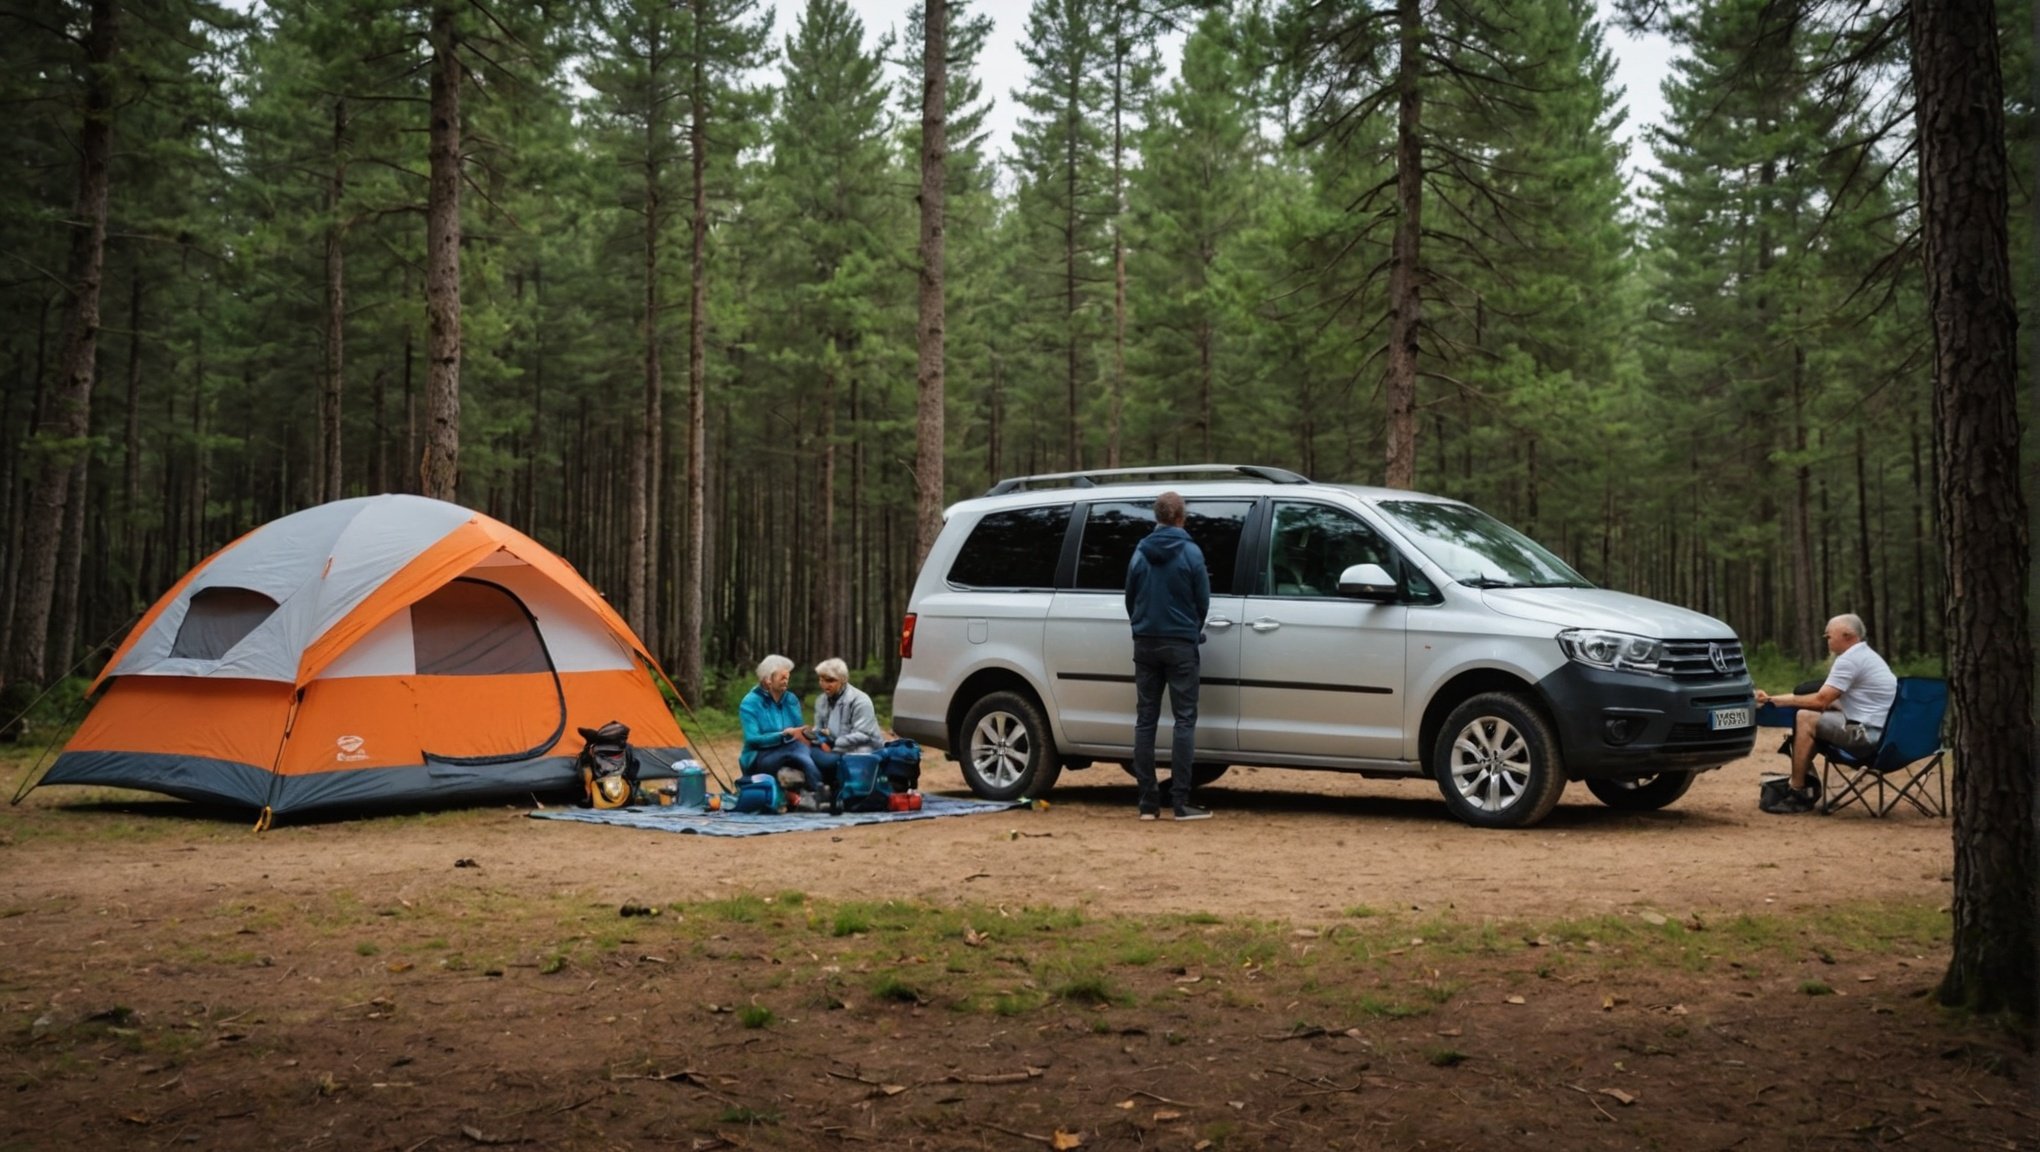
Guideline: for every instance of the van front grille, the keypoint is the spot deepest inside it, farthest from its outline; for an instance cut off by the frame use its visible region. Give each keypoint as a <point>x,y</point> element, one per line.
<point>1702,659</point>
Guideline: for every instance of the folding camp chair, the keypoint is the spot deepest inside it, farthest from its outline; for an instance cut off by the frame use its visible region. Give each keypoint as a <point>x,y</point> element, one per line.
<point>1907,763</point>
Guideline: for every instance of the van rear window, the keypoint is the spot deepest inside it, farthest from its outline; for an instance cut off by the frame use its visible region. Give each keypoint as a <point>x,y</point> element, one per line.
<point>1016,548</point>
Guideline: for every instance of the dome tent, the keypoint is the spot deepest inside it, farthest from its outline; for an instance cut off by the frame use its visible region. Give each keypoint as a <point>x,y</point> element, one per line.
<point>377,650</point>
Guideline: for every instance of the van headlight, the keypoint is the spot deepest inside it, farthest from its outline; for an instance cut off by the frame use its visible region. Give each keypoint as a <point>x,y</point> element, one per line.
<point>1615,650</point>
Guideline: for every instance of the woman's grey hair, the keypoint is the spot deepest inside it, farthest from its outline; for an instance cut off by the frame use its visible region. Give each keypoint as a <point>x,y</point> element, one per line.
<point>773,665</point>
<point>834,669</point>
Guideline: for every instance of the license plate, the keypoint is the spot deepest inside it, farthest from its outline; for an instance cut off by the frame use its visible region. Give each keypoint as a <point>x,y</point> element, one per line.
<point>1723,718</point>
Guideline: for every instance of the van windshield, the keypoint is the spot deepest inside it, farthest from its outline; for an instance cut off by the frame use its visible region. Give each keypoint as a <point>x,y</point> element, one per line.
<point>1478,550</point>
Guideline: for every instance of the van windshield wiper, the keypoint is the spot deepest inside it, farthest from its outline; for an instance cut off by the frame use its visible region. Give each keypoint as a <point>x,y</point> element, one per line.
<point>1493,582</point>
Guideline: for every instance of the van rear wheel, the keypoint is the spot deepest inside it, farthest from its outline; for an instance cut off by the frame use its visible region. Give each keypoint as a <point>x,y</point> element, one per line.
<point>1008,753</point>
<point>1497,762</point>
<point>1643,794</point>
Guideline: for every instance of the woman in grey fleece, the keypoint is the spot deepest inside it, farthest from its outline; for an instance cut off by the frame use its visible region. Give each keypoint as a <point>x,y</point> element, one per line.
<point>845,720</point>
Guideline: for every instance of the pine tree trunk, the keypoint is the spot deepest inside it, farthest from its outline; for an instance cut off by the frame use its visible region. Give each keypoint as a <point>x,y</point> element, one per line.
<point>1963,179</point>
<point>641,559</point>
<point>328,486</point>
<point>131,444</point>
<point>824,597</point>
<point>692,620</point>
<point>932,330</point>
<point>1806,611</point>
<point>69,419</point>
<point>1405,288</point>
<point>70,566</point>
<point>1866,576</point>
<point>1074,455</point>
<point>439,470</point>
<point>1921,495</point>
<point>1118,389</point>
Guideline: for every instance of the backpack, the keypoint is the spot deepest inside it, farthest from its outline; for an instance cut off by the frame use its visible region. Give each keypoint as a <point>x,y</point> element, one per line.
<point>901,762</point>
<point>759,793</point>
<point>861,786</point>
<point>609,767</point>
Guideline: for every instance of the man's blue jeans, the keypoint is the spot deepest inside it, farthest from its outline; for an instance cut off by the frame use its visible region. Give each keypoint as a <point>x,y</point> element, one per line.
<point>1159,662</point>
<point>792,753</point>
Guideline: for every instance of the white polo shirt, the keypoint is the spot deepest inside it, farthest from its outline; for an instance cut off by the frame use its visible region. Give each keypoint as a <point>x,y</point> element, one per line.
<point>1867,686</point>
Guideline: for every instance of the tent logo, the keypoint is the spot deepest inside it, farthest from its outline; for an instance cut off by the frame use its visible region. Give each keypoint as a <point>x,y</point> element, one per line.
<point>350,749</point>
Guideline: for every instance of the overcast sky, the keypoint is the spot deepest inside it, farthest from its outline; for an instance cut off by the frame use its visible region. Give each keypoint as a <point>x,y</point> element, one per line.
<point>1640,63</point>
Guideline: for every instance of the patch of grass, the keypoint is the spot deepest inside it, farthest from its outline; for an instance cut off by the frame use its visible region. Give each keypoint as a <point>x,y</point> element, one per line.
<point>367,948</point>
<point>1445,1057</point>
<point>743,908</point>
<point>754,1016</point>
<point>743,1114</point>
<point>791,897</point>
<point>1386,1009</point>
<point>889,986</point>
<point>1359,912</point>
<point>554,963</point>
<point>1816,988</point>
<point>1441,992</point>
<point>850,921</point>
<point>1090,988</point>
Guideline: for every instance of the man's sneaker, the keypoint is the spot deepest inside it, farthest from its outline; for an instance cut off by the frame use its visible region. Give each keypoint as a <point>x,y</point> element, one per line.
<point>1186,812</point>
<point>1150,814</point>
<point>1800,800</point>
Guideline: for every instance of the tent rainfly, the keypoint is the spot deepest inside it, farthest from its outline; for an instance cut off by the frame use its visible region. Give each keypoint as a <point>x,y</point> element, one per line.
<point>373,651</point>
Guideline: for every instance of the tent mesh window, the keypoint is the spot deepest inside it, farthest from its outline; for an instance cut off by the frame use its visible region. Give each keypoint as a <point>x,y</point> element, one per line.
<point>218,619</point>
<point>473,628</point>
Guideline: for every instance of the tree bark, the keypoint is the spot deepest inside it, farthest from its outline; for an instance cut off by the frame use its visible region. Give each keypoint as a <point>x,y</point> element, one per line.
<point>1963,202</point>
<point>69,419</point>
<point>328,486</point>
<point>928,413</point>
<point>641,558</point>
<point>1866,575</point>
<point>691,613</point>
<point>439,469</point>
<point>131,444</point>
<point>1405,287</point>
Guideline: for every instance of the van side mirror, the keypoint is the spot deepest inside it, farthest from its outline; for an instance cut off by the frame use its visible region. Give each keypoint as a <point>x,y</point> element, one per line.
<point>1368,582</point>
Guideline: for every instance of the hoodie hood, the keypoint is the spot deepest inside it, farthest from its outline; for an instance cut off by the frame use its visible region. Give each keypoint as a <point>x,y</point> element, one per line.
<point>1163,544</point>
<point>1600,608</point>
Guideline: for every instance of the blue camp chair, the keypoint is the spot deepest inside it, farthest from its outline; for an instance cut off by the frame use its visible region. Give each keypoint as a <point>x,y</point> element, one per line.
<point>1907,762</point>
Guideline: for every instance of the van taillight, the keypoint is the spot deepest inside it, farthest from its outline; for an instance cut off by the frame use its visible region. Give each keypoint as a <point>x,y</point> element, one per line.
<point>907,637</point>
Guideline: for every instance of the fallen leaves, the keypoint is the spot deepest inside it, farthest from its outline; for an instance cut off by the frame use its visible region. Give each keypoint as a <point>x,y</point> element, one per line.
<point>1063,1141</point>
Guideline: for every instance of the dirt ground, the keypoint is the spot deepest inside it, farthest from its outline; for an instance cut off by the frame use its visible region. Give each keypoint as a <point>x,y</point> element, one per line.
<point>169,979</point>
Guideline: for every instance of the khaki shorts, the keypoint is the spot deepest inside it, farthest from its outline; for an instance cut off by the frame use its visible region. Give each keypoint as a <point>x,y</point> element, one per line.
<point>1838,730</point>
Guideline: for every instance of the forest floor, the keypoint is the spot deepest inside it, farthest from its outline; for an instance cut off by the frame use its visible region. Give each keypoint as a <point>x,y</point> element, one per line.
<point>1329,963</point>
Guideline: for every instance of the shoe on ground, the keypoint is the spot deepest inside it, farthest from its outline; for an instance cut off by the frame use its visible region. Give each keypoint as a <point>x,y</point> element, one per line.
<point>1798,800</point>
<point>1150,814</point>
<point>1188,812</point>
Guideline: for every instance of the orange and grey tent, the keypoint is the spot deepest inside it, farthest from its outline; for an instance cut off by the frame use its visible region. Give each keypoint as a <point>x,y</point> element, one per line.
<point>385,649</point>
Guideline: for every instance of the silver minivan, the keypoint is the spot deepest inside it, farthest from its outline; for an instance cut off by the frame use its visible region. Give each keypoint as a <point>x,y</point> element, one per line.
<point>1352,629</point>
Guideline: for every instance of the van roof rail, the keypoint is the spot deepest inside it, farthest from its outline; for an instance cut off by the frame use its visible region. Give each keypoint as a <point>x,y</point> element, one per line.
<point>1096,476</point>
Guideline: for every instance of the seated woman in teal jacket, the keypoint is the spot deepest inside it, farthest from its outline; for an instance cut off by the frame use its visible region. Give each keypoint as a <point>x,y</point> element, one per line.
<point>773,735</point>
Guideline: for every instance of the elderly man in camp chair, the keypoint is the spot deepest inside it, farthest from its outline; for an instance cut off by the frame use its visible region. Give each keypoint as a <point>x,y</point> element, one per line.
<point>1848,712</point>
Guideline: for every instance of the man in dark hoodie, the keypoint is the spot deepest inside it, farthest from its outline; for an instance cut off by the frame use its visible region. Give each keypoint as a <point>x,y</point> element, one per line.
<point>1168,594</point>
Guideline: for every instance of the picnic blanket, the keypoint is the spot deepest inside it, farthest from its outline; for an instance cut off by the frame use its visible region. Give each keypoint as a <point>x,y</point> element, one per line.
<point>761,823</point>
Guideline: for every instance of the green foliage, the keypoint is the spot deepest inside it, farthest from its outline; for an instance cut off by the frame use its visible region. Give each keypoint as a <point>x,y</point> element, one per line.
<point>1707,384</point>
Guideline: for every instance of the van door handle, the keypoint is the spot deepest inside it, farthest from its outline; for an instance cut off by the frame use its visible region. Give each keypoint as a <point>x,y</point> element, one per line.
<point>1265,624</point>
<point>1218,622</point>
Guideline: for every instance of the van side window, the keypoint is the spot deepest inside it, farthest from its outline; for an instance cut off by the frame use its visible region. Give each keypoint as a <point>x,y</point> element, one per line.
<point>1016,548</point>
<point>1311,544</point>
<point>1114,528</point>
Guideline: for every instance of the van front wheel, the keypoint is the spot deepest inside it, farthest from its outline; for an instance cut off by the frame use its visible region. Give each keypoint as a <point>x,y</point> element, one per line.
<point>1645,795</point>
<point>1008,753</point>
<point>1497,764</point>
